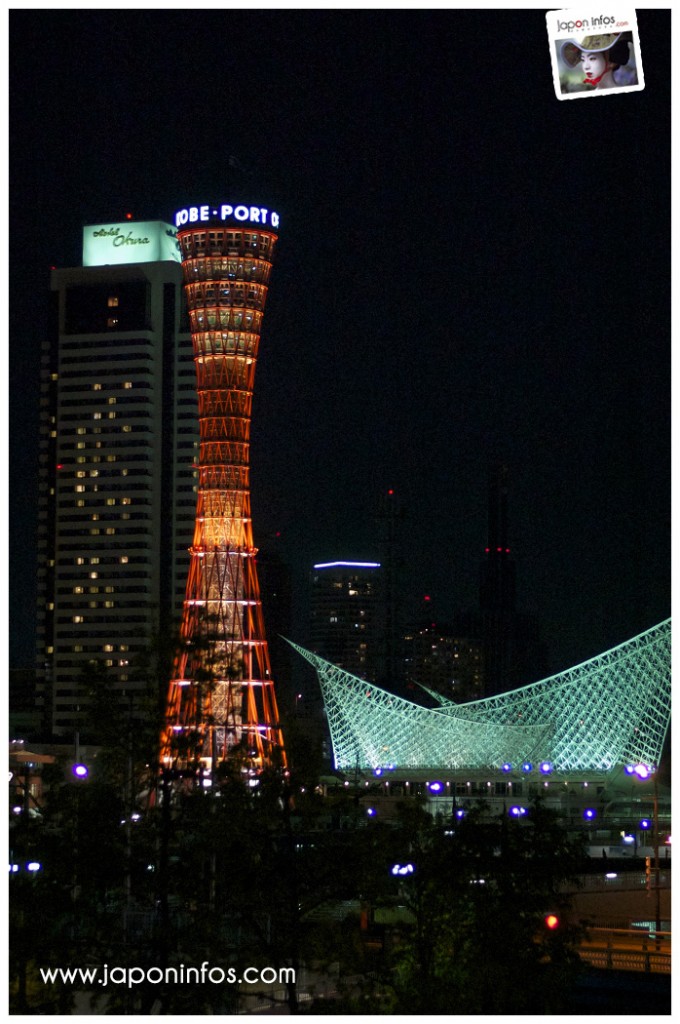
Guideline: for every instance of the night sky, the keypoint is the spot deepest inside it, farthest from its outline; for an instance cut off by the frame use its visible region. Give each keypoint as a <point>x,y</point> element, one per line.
<point>468,270</point>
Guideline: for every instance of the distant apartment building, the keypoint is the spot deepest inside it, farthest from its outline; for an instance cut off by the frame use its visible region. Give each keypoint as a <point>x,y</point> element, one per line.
<point>437,659</point>
<point>346,616</point>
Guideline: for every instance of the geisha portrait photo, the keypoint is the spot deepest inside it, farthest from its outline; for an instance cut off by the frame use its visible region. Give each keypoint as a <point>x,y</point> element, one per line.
<point>597,62</point>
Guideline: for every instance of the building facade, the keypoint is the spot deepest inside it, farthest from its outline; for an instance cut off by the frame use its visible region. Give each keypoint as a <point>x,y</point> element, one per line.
<point>346,611</point>
<point>439,660</point>
<point>119,441</point>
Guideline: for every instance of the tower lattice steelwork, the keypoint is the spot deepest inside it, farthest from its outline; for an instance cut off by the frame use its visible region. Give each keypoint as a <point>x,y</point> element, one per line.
<point>221,698</point>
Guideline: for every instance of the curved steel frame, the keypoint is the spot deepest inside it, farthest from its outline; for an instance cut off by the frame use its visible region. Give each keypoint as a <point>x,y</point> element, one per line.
<point>612,710</point>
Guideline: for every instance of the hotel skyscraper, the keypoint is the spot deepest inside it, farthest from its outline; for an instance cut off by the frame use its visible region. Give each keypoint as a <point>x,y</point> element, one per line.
<point>119,440</point>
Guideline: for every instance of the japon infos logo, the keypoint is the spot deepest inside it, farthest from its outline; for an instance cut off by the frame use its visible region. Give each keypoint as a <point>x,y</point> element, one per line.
<point>594,52</point>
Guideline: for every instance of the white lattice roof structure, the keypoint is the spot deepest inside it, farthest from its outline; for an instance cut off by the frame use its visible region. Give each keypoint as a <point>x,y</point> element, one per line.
<point>612,710</point>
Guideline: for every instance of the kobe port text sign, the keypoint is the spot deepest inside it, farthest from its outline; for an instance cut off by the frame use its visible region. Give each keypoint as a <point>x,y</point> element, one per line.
<point>226,212</point>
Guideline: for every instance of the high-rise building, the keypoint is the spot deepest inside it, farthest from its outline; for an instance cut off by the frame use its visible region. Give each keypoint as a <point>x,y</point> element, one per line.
<point>453,666</point>
<point>514,653</point>
<point>221,700</point>
<point>117,479</point>
<point>346,616</point>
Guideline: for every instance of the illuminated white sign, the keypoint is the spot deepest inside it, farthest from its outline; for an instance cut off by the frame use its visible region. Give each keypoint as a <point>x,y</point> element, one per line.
<point>226,212</point>
<point>129,242</point>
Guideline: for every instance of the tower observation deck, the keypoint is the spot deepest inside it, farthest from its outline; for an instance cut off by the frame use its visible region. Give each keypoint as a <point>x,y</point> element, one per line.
<point>221,700</point>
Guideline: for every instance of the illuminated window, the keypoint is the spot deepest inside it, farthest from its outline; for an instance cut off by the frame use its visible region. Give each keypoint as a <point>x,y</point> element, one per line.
<point>112,301</point>
<point>112,321</point>
<point>96,387</point>
<point>123,559</point>
<point>78,618</point>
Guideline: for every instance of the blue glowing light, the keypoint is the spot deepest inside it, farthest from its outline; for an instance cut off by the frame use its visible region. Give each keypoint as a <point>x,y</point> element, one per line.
<point>435,787</point>
<point>545,767</point>
<point>645,824</point>
<point>527,766</point>
<point>590,813</point>
<point>351,565</point>
<point>403,869</point>
<point>506,767</point>
<point>81,771</point>
<point>370,811</point>
<point>517,811</point>
<point>460,813</point>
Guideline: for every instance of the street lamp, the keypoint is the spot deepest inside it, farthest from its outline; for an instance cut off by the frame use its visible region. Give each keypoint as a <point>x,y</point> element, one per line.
<point>643,772</point>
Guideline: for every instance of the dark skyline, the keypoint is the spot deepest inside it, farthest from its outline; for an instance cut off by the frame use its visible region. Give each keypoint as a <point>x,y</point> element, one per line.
<point>468,270</point>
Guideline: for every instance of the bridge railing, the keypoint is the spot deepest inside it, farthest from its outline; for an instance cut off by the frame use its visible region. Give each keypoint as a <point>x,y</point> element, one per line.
<point>622,949</point>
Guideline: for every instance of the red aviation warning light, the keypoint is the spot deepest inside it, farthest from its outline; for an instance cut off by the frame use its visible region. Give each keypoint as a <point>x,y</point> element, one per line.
<point>551,921</point>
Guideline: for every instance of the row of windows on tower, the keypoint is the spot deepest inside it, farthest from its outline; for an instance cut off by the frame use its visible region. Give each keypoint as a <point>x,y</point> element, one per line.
<point>215,240</point>
<point>217,268</point>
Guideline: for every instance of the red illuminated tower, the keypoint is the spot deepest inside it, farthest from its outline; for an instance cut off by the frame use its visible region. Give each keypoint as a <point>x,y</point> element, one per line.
<point>221,700</point>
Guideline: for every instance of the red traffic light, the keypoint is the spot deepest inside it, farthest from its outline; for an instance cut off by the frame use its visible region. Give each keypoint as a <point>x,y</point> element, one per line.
<point>552,921</point>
